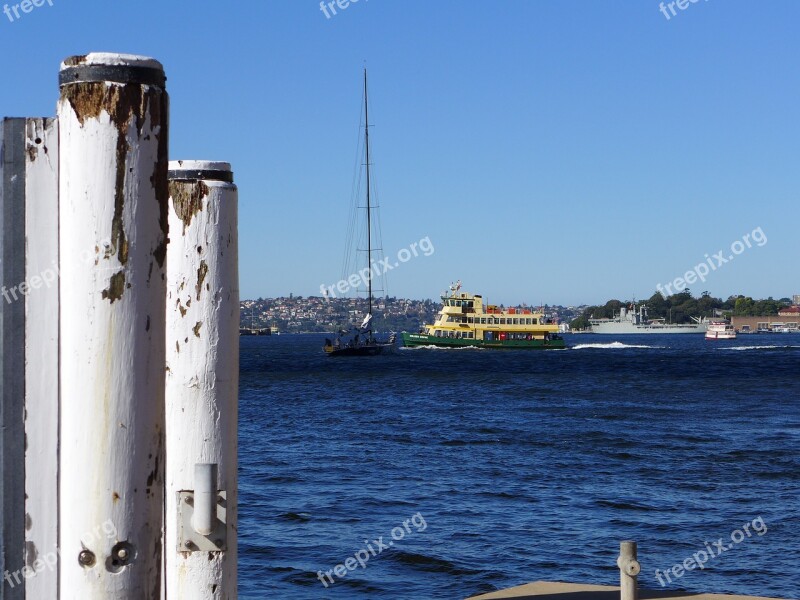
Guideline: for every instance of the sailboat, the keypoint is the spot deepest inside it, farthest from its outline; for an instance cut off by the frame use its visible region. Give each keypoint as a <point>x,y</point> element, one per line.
<point>361,341</point>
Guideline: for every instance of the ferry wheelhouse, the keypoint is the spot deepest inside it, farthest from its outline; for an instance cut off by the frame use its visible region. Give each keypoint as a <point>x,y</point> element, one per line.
<point>465,321</point>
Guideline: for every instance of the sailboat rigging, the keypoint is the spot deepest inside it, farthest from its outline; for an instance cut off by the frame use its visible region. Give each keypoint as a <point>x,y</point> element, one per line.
<point>361,341</point>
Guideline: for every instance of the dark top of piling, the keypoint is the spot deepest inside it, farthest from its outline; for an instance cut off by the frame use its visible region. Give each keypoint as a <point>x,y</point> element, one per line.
<point>195,170</point>
<point>115,68</point>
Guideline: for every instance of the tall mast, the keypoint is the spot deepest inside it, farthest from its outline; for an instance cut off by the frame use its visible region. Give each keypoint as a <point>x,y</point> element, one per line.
<point>369,211</point>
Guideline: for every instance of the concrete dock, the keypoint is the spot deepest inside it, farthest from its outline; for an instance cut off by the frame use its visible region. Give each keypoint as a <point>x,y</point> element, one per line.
<point>544,590</point>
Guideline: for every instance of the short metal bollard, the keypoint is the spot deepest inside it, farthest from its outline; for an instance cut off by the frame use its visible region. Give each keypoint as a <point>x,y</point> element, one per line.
<point>629,568</point>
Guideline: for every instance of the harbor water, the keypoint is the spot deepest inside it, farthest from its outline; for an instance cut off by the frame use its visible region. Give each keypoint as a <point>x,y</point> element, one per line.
<point>447,473</point>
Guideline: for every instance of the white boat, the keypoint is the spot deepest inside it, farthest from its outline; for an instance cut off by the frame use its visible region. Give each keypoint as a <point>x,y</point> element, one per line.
<point>635,320</point>
<point>720,330</point>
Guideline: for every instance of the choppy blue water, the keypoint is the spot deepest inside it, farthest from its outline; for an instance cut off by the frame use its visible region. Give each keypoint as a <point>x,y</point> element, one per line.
<point>519,466</point>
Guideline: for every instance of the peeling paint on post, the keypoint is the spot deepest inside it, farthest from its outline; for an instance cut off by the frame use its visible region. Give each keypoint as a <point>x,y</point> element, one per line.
<point>113,125</point>
<point>202,366</point>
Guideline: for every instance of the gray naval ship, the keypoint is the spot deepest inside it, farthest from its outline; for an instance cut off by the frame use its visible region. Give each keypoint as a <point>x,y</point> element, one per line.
<point>635,321</point>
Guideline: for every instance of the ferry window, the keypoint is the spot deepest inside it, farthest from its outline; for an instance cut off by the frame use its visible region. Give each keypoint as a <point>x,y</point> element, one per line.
<point>502,321</point>
<point>469,320</point>
<point>536,321</point>
<point>516,321</point>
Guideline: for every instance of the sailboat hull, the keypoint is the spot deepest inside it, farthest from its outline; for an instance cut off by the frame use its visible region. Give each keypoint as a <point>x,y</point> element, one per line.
<point>366,350</point>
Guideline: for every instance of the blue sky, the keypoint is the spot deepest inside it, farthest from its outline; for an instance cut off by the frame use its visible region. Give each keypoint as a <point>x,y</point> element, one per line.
<point>552,151</point>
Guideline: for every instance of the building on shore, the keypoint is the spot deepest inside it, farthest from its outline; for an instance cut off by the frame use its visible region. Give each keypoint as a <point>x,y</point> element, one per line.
<point>787,318</point>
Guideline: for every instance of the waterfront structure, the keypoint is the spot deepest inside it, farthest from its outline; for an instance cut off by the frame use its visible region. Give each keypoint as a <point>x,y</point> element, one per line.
<point>766,323</point>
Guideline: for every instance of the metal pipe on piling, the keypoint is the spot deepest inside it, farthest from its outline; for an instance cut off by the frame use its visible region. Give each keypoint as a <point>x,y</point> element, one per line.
<point>202,382</point>
<point>113,127</point>
<point>629,568</point>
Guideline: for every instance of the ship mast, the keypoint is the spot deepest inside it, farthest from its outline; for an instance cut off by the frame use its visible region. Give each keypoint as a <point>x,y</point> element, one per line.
<point>369,224</point>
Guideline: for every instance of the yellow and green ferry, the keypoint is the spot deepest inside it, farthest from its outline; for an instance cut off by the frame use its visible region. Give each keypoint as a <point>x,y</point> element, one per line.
<point>465,321</point>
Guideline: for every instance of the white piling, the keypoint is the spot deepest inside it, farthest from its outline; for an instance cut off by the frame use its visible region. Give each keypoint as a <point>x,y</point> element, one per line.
<point>41,357</point>
<point>202,382</point>
<point>113,127</point>
<point>629,568</point>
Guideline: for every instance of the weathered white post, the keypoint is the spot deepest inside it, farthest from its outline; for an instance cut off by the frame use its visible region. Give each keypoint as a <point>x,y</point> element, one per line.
<point>629,568</point>
<point>113,126</point>
<point>29,350</point>
<point>202,382</point>
<point>41,358</point>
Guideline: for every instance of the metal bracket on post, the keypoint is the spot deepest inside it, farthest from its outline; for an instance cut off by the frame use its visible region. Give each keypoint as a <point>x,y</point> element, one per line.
<point>202,522</point>
<point>629,568</point>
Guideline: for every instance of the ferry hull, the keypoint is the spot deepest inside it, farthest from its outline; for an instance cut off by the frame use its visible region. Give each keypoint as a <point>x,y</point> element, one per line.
<point>411,340</point>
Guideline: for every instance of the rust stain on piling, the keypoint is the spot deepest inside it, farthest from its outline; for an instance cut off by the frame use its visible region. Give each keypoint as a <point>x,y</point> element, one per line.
<point>31,554</point>
<point>74,61</point>
<point>187,199</point>
<point>202,271</point>
<point>159,111</point>
<point>33,151</point>
<point>124,103</point>
<point>196,328</point>
<point>115,287</point>
<point>118,240</point>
